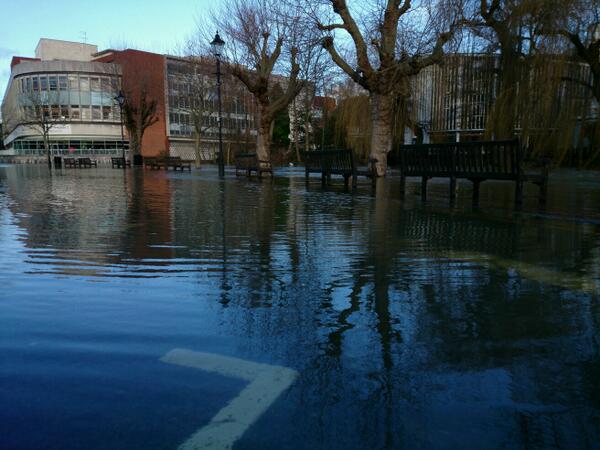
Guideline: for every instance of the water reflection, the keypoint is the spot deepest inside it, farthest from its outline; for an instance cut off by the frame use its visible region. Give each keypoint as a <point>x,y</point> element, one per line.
<point>410,326</point>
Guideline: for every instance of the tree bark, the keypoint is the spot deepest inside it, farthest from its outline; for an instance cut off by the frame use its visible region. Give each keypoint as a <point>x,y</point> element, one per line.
<point>381,134</point>
<point>504,113</point>
<point>263,141</point>
<point>197,150</point>
<point>47,147</point>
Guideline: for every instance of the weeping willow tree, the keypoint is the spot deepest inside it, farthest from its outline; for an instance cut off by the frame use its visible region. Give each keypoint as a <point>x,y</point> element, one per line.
<point>353,127</point>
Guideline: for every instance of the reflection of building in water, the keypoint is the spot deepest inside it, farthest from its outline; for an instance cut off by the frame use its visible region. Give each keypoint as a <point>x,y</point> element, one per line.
<point>88,227</point>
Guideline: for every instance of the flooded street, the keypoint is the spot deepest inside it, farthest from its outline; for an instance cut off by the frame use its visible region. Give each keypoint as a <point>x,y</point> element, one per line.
<point>370,321</point>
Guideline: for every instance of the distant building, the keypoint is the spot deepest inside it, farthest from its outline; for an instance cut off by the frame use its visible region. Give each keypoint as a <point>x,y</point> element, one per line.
<point>83,83</point>
<point>78,90</point>
<point>453,101</point>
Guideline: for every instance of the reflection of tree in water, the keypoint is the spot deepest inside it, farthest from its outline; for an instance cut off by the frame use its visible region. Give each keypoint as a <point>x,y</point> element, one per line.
<point>385,312</point>
<point>396,315</point>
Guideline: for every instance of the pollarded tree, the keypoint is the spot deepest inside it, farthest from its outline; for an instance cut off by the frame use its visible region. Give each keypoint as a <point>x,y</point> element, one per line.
<point>261,48</point>
<point>139,113</point>
<point>392,41</point>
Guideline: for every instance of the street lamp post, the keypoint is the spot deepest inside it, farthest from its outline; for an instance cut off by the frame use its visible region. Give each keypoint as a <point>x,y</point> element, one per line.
<point>120,99</point>
<point>217,46</point>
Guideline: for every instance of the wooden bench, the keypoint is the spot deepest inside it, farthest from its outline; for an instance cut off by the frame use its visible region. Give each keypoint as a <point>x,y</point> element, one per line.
<point>120,162</point>
<point>86,162</point>
<point>70,163</point>
<point>334,162</point>
<point>249,162</point>
<point>177,163</point>
<point>474,161</point>
<point>174,162</point>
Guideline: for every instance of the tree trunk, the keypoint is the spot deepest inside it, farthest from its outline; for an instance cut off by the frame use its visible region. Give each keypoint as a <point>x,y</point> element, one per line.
<point>197,150</point>
<point>381,135</point>
<point>47,148</point>
<point>504,113</point>
<point>263,141</point>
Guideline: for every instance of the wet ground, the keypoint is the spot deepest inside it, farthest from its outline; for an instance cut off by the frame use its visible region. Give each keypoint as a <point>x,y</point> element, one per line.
<point>311,319</point>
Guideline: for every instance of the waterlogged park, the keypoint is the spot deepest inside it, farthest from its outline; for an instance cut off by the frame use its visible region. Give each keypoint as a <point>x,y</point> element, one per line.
<point>327,225</point>
<point>155,309</point>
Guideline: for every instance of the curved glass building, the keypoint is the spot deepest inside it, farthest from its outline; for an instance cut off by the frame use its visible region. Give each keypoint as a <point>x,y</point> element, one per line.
<point>67,93</point>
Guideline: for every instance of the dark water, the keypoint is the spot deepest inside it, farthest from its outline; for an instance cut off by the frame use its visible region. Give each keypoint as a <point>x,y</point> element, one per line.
<point>410,326</point>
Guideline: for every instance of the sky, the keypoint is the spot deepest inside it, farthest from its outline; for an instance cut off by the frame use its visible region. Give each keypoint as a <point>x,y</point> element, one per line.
<point>154,25</point>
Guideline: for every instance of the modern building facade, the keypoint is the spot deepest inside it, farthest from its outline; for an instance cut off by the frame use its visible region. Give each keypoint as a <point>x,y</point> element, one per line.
<point>76,95</point>
<point>454,101</point>
<point>76,86</point>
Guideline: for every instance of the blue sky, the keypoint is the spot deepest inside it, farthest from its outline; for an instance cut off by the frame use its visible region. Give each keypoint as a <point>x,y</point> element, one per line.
<point>153,25</point>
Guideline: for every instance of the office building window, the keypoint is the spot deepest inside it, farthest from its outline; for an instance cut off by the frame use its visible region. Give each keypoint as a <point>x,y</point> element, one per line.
<point>73,84</point>
<point>43,83</point>
<point>95,84</point>
<point>35,82</point>
<point>53,83</point>
<point>96,115</point>
<point>106,113</point>
<point>62,82</point>
<point>86,113</point>
<point>84,83</point>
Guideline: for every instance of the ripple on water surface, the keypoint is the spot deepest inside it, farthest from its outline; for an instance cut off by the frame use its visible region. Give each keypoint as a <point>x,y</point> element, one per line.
<point>408,325</point>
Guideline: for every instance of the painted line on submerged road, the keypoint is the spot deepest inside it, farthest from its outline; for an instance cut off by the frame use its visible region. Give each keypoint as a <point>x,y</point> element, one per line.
<point>266,384</point>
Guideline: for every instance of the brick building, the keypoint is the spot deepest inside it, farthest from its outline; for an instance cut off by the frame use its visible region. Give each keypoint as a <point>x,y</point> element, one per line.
<point>79,84</point>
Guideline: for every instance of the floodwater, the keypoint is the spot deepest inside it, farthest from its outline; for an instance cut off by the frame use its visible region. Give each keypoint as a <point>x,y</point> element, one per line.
<point>399,325</point>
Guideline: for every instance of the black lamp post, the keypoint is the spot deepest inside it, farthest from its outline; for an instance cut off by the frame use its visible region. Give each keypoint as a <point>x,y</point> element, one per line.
<point>217,46</point>
<point>120,99</point>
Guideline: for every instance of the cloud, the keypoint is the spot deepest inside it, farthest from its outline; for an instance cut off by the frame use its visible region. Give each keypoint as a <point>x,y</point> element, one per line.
<point>6,53</point>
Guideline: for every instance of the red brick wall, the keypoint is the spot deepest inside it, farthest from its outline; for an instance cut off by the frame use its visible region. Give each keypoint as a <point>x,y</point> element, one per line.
<point>144,70</point>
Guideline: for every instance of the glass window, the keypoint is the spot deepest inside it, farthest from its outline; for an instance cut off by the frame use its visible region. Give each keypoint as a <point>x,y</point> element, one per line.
<point>96,113</point>
<point>84,83</point>
<point>96,98</point>
<point>95,83</point>
<point>85,98</point>
<point>74,112</point>
<point>105,85</point>
<point>62,82</point>
<point>64,111</point>
<point>73,84</point>
<point>106,113</point>
<point>43,83</point>
<point>28,84</point>
<point>86,113</point>
<point>53,82</point>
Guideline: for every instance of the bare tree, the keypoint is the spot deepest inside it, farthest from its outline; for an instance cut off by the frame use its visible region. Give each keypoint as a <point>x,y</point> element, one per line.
<point>40,111</point>
<point>578,21</point>
<point>195,95</point>
<point>392,41</point>
<point>263,54</point>
<point>139,113</point>
<point>509,28</point>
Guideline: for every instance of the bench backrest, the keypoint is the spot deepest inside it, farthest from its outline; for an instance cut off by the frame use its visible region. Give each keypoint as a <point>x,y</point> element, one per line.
<point>246,161</point>
<point>485,158</point>
<point>329,160</point>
